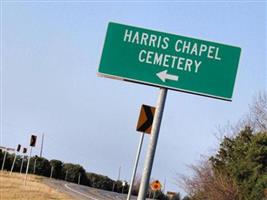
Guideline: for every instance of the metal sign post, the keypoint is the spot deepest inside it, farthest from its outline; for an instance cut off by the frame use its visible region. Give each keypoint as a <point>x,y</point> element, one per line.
<point>13,164</point>
<point>149,195</point>
<point>164,185</point>
<point>152,144</point>
<point>32,144</point>
<point>21,166</point>
<point>28,164</point>
<point>79,178</point>
<point>135,165</point>
<point>154,194</point>
<point>66,175</point>
<point>113,186</point>
<point>51,174</point>
<point>34,166</point>
<point>4,160</point>
<point>123,185</point>
<point>24,151</point>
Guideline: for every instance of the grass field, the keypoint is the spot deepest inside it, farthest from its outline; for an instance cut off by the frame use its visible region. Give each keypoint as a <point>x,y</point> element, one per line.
<point>12,188</point>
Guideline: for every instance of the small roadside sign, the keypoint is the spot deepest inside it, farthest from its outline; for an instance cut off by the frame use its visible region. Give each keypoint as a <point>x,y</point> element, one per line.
<point>33,140</point>
<point>155,185</point>
<point>145,120</point>
<point>18,148</point>
<point>24,150</point>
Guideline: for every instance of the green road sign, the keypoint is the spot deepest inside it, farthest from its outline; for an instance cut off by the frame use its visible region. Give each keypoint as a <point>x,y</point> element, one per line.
<point>170,61</point>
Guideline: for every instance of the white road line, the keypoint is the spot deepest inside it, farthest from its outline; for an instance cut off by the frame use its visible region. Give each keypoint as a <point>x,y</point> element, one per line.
<point>90,197</point>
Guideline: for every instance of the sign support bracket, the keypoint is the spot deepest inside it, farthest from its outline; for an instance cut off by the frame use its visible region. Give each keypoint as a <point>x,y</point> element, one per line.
<point>152,144</point>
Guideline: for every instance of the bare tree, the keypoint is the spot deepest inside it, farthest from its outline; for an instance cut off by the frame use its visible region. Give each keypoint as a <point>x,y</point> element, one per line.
<point>206,185</point>
<point>257,117</point>
<point>209,184</point>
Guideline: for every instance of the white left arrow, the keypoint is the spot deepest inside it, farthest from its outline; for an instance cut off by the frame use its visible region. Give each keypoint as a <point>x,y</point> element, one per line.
<point>164,75</point>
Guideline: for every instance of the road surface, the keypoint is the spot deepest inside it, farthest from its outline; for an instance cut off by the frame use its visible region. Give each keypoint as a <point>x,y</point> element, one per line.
<point>81,192</point>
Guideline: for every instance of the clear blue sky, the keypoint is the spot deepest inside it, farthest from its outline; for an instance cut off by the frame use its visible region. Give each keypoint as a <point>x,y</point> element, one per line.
<point>50,56</point>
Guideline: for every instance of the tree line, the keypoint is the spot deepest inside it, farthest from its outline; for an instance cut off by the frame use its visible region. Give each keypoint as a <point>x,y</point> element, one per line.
<point>62,171</point>
<point>72,173</point>
<point>238,170</point>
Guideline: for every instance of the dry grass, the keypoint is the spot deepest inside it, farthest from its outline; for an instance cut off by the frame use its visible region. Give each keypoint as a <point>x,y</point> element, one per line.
<point>12,187</point>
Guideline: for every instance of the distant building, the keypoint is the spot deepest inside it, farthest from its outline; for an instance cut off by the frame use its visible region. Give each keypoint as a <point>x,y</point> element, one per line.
<point>172,195</point>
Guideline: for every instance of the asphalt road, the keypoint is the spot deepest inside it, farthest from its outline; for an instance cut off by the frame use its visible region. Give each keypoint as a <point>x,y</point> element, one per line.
<point>81,192</point>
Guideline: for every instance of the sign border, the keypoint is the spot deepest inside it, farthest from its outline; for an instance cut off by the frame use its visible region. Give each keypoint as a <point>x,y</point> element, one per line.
<point>161,86</point>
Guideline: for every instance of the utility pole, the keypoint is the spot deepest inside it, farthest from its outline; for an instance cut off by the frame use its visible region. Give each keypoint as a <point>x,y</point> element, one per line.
<point>119,174</point>
<point>42,144</point>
